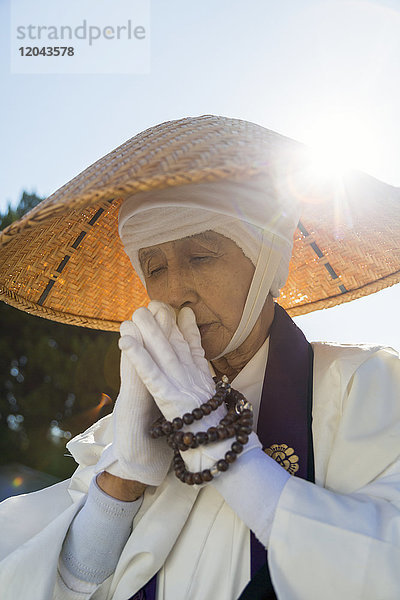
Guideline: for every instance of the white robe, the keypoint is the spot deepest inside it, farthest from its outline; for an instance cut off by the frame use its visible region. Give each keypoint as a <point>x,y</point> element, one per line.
<point>337,539</point>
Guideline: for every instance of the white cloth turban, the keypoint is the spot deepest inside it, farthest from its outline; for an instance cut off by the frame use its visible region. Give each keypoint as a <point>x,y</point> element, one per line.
<point>247,212</point>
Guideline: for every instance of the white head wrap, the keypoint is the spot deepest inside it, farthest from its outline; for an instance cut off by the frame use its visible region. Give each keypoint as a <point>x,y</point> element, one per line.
<point>246,212</point>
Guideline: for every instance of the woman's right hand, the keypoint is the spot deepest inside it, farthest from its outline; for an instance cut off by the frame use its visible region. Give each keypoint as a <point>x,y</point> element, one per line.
<point>133,458</point>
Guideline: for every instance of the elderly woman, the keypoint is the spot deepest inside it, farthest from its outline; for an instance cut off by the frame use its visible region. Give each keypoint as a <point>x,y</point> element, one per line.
<point>231,434</point>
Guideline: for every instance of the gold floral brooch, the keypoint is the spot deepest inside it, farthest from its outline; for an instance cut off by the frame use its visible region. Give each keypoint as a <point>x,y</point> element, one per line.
<point>285,456</point>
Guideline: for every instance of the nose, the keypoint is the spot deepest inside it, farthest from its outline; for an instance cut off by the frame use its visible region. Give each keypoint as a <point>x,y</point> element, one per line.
<point>181,289</point>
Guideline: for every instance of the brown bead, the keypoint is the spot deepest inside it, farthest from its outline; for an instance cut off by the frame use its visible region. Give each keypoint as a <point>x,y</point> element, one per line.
<point>242,438</point>
<point>222,465</point>
<point>180,471</point>
<point>197,413</point>
<point>230,418</point>
<point>188,418</point>
<point>206,475</point>
<point>246,416</point>
<point>247,429</point>
<point>230,431</point>
<point>187,438</point>
<point>213,403</point>
<point>166,427</point>
<point>177,423</point>
<point>205,408</point>
<point>197,478</point>
<point>181,476</point>
<point>178,436</point>
<point>222,433</point>
<point>202,437</point>
<point>189,478</point>
<point>230,456</point>
<point>237,447</point>
<point>212,433</point>
<point>195,443</point>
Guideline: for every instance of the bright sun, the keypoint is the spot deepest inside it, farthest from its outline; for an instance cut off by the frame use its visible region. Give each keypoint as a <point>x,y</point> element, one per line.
<point>339,141</point>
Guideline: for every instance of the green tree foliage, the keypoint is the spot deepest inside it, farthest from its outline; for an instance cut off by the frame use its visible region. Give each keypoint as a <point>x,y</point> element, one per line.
<point>27,202</point>
<point>55,381</point>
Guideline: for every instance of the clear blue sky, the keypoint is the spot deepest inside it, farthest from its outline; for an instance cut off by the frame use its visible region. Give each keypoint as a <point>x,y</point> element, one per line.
<point>312,70</point>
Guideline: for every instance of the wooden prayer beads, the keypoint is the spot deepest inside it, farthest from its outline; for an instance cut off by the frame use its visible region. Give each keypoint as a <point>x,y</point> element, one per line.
<point>163,427</point>
<point>238,423</point>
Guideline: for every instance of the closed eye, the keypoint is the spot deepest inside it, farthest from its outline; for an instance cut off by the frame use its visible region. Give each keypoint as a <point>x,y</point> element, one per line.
<point>200,258</point>
<point>155,271</point>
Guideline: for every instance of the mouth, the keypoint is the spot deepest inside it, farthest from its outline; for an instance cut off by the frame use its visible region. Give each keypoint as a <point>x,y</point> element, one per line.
<point>205,328</point>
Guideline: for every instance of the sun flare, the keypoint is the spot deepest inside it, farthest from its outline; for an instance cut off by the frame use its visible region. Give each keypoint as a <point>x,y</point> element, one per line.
<point>338,142</point>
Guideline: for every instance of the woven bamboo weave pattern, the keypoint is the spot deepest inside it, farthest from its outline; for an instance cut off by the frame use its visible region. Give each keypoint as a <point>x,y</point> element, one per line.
<point>64,260</point>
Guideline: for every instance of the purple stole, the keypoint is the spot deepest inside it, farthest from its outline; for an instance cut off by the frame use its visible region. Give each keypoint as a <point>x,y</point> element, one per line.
<point>284,424</point>
<point>284,429</point>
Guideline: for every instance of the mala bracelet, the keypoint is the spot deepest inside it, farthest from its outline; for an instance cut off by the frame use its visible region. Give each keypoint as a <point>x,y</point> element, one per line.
<point>238,422</point>
<point>242,428</point>
<point>163,427</point>
<point>234,423</point>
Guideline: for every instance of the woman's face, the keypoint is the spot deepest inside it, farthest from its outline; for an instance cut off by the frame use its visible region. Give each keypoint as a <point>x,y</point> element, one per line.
<point>207,272</point>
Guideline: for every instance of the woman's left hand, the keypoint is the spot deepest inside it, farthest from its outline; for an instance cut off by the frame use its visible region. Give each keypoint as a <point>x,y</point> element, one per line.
<point>172,366</point>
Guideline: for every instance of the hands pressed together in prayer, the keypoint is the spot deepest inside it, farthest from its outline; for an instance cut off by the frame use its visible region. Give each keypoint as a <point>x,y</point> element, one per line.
<point>163,369</point>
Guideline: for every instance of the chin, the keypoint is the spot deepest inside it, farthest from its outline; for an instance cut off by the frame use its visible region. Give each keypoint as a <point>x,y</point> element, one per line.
<point>213,342</point>
<point>211,349</point>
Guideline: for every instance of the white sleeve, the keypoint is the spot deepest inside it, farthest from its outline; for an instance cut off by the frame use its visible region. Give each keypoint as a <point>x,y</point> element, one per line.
<point>326,543</point>
<point>252,487</point>
<point>344,541</point>
<point>93,544</point>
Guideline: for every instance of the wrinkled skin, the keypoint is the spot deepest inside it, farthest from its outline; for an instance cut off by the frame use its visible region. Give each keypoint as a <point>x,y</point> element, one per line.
<point>210,274</point>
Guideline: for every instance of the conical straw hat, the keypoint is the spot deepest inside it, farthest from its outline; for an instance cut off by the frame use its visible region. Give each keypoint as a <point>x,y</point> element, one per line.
<point>64,259</point>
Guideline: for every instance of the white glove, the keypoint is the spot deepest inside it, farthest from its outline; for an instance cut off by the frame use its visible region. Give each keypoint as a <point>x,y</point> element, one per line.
<point>133,454</point>
<point>171,364</point>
